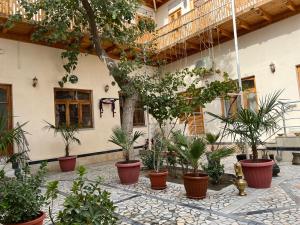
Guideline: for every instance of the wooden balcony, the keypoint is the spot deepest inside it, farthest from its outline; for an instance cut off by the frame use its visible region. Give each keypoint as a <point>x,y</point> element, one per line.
<point>211,24</point>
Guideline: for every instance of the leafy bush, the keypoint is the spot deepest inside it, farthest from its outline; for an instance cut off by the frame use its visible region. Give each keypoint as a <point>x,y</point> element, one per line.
<point>21,199</point>
<point>148,159</point>
<point>86,204</point>
<point>214,169</point>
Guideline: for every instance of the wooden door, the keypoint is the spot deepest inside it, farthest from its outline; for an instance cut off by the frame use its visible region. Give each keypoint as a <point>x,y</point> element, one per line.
<point>6,107</point>
<point>196,122</point>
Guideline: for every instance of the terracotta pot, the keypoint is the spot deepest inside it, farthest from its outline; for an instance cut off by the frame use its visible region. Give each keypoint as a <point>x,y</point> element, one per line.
<point>129,172</point>
<point>37,221</point>
<point>158,179</point>
<point>67,163</point>
<point>258,173</point>
<point>195,185</point>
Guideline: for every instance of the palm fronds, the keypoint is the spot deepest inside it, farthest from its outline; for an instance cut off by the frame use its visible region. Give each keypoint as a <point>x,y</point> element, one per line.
<point>67,133</point>
<point>251,125</point>
<point>124,140</point>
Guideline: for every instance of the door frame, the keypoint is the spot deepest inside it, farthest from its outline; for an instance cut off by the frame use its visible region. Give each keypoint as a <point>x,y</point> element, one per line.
<point>10,110</point>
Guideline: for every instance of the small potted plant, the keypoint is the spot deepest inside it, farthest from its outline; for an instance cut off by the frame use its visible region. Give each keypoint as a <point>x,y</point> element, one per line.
<point>251,125</point>
<point>66,163</point>
<point>128,170</point>
<point>214,168</point>
<point>191,149</point>
<point>158,176</point>
<point>21,199</point>
<point>87,203</point>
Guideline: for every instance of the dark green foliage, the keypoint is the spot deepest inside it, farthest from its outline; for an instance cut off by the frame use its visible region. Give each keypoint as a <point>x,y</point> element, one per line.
<point>67,133</point>
<point>21,198</point>
<point>149,160</point>
<point>214,168</point>
<point>190,149</point>
<point>86,204</point>
<point>250,125</point>
<point>8,136</point>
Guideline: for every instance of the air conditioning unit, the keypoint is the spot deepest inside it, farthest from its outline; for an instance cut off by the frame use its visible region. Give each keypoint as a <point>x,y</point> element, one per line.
<point>205,62</point>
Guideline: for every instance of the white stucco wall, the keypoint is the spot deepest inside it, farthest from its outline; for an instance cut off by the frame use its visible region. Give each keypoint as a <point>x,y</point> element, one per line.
<point>20,62</point>
<point>277,43</point>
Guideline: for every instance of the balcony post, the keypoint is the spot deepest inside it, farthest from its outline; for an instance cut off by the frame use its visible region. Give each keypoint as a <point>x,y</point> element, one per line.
<point>236,45</point>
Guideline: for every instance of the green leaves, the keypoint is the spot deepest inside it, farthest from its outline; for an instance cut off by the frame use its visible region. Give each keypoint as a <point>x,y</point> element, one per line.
<point>250,125</point>
<point>21,197</point>
<point>67,133</point>
<point>126,141</point>
<point>86,204</point>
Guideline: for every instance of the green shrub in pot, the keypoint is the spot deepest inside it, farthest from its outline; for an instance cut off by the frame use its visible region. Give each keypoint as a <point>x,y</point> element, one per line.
<point>21,198</point>
<point>86,204</point>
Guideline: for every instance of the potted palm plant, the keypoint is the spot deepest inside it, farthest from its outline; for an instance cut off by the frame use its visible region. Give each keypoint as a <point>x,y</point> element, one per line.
<point>251,125</point>
<point>158,176</point>
<point>191,149</point>
<point>128,170</point>
<point>68,162</point>
<point>21,198</point>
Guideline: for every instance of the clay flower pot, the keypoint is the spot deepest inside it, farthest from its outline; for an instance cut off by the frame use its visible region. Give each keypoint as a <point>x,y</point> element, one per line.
<point>37,221</point>
<point>158,179</point>
<point>129,172</point>
<point>67,163</point>
<point>258,173</point>
<point>195,185</point>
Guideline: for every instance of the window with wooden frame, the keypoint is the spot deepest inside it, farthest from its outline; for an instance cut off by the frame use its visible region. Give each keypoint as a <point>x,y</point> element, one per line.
<point>73,107</point>
<point>6,109</point>
<point>139,113</point>
<point>230,106</point>
<point>174,15</point>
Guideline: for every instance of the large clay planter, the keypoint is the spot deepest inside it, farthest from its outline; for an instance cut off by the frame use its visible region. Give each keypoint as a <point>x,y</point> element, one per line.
<point>195,185</point>
<point>158,179</point>
<point>258,173</point>
<point>129,172</point>
<point>67,163</point>
<point>37,221</point>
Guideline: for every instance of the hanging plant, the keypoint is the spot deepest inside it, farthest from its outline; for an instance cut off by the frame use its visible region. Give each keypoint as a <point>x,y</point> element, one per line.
<point>73,79</point>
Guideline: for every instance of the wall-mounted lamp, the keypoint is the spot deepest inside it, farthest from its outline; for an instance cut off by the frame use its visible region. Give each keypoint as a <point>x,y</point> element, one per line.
<point>272,67</point>
<point>35,82</point>
<point>106,88</point>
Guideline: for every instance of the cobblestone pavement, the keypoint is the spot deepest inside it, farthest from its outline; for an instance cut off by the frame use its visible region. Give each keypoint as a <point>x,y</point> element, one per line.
<point>138,204</point>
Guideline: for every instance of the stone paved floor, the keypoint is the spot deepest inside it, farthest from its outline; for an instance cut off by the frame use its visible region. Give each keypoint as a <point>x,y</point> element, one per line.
<point>138,204</point>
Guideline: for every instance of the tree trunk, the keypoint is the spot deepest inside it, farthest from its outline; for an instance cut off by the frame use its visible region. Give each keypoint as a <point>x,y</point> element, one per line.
<point>128,112</point>
<point>254,152</point>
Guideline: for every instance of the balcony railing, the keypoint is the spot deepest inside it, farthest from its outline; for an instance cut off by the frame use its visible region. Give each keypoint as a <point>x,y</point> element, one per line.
<point>11,7</point>
<point>209,14</point>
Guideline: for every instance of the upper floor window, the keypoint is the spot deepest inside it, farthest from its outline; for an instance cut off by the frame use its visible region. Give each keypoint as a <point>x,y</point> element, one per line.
<point>230,105</point>
<point>174,15</point>
<point>73,107</point>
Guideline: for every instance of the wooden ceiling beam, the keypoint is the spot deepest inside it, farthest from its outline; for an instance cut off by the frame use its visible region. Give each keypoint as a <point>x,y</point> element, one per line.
<point>291,5</point>
<point>243,24</point>
<point>224,33</point>
<point>263,14</point>
<point>192,45</point>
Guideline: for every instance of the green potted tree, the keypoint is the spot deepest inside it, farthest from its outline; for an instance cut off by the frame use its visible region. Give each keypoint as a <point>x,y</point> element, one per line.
<point>87,203</point>
<point>128,170</point>
<point>68,162</point>
<point>251,125</point>
<point>21,199</point>
<point>191,149</point>
<point>158,176</point>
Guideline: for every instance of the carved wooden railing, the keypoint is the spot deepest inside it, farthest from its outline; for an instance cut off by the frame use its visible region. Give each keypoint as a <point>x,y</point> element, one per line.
<point>11,7</point>
<point>210,14</point>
